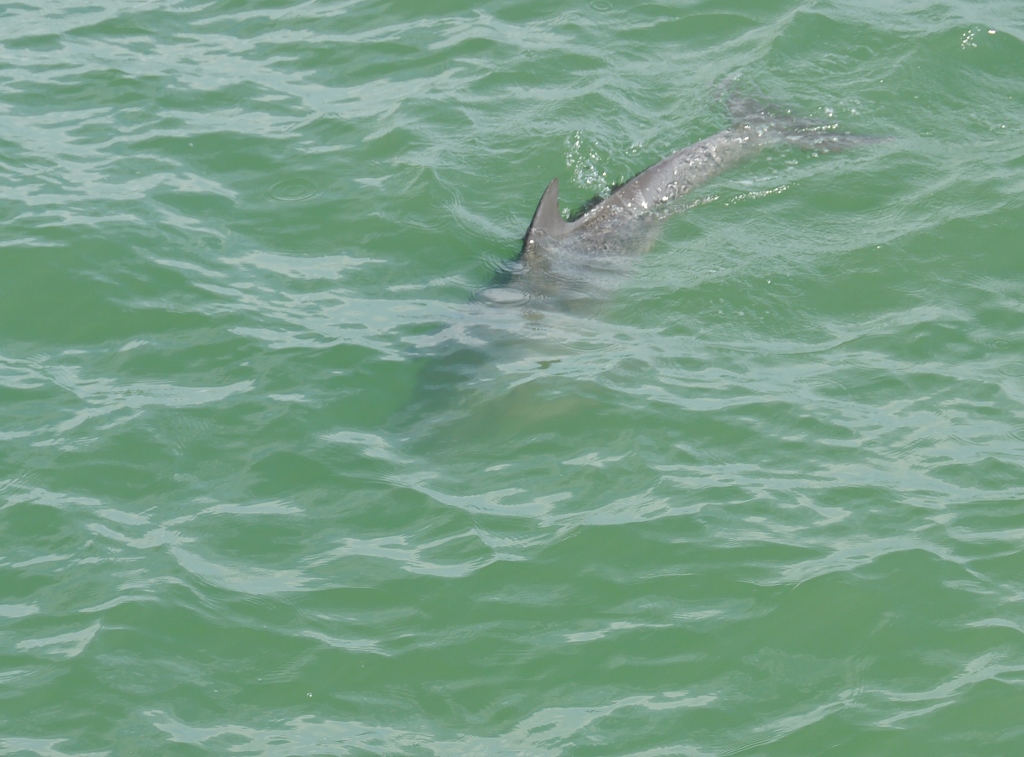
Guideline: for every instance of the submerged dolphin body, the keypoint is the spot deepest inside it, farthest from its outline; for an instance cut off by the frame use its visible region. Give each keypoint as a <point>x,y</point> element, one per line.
<point>562,258</point>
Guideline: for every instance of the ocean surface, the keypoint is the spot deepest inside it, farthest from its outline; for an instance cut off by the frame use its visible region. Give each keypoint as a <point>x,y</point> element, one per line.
<point>274,480</point>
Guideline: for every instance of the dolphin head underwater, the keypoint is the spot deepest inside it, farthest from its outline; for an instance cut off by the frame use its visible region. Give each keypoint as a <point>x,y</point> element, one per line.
<point>562,258</point>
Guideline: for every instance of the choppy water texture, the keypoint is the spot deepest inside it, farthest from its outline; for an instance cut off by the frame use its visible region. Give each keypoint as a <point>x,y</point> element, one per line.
<point>272,482</point>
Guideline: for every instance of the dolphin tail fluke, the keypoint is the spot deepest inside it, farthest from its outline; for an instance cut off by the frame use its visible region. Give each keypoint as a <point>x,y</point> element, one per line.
<point>774,127</point>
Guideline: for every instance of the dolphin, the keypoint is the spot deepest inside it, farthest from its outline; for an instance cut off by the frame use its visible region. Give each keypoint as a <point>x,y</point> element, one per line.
<point>562,258</point>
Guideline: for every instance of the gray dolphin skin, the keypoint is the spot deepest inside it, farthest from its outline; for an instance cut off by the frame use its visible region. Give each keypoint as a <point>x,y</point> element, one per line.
<point>561,257</point>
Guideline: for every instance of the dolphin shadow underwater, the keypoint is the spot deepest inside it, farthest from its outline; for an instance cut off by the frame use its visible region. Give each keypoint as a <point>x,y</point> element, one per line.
<point>566,266</point>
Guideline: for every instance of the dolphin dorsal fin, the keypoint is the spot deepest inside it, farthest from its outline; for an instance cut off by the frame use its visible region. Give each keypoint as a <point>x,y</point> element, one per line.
<point>546,219</point>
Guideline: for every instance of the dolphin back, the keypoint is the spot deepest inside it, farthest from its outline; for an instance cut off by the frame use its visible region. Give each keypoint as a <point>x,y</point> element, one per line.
<point>558,255</point>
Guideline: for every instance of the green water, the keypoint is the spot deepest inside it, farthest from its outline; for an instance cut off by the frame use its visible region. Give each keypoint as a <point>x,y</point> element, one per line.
<point>272,483</point>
